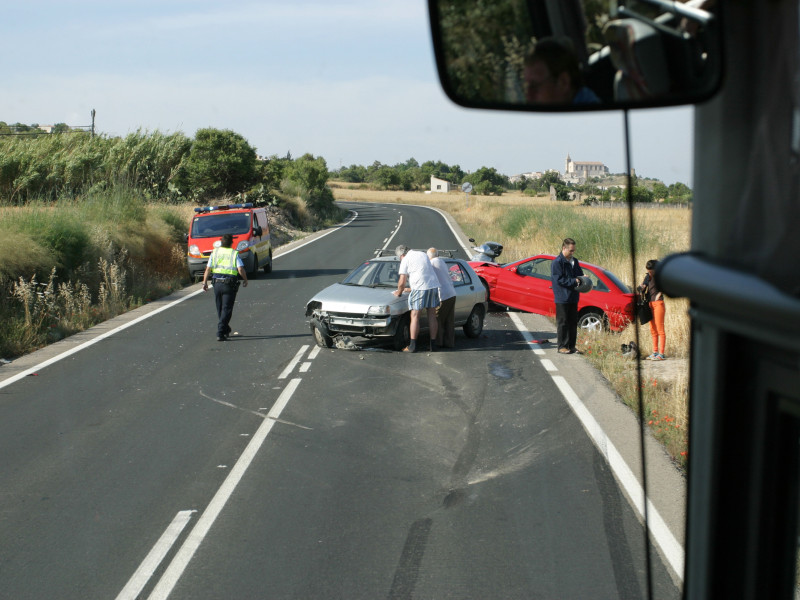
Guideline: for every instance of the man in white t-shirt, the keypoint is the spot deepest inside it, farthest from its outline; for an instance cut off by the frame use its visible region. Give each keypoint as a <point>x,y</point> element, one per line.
<point>416,271</point>
<point>445,313</point>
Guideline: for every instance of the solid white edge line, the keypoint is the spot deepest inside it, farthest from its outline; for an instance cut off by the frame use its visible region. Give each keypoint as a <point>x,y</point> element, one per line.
<point>290,367</point>
<point>116,330</point>
<point>93,341</point>
<point>150,563</point>
<point>660,531</point>
<point>214,508</point>
<point>658,528</point>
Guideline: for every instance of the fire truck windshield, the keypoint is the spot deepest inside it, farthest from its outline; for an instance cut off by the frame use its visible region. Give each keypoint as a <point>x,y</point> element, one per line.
<point>218,224</point>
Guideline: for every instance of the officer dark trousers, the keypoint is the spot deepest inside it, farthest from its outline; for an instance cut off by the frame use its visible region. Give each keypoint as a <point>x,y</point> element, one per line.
<point>225,296</point>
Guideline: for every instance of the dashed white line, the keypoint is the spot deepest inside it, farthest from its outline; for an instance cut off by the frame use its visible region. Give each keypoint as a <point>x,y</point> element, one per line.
<point>145,571</point>
<point>198,534</point>
<point>548,365</point>
<point>292,363</point>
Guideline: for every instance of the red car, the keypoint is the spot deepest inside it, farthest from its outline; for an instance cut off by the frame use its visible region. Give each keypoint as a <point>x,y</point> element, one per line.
<point>525,285</point>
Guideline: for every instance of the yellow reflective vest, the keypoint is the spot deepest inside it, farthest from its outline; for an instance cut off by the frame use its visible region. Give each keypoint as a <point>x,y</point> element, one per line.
<point>223,261</point>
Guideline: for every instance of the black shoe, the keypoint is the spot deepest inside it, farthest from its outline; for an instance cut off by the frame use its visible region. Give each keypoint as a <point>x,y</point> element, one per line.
<point>222,338</point>
<point>412,346</point>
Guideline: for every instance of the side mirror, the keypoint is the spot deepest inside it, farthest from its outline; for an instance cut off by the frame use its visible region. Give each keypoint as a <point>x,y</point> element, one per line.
<point>257,231</point>
<point>571,55</point>
<point>186,237</point>
<point>513,270</point>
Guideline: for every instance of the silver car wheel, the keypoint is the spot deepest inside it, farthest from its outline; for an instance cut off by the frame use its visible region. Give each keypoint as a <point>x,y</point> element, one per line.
<point>591,322</point>
<point>322,340</point>
<point>474,324</point>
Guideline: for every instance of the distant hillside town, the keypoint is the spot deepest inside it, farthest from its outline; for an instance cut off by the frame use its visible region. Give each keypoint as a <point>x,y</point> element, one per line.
<point>575,172</point>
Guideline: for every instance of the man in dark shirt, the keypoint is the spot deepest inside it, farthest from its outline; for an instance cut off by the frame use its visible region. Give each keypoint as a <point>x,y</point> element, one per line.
<point>564,273</point>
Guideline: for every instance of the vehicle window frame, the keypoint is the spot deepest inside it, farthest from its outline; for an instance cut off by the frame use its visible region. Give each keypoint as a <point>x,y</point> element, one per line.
<point>225,218</point>
<point>535,272</point>
<point>598,285</point>
<point>465,277</point>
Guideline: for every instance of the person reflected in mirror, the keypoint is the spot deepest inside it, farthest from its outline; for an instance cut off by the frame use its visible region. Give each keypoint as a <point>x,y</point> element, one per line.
<point>445,312</point>
<point>416,270</point>
<point>223,266</point>
<point>655,298</point>
<point>552,74</point>
<point>564,273</point>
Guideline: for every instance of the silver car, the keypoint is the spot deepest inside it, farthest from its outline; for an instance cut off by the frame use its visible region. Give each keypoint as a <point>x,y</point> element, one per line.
<point>363,304</point>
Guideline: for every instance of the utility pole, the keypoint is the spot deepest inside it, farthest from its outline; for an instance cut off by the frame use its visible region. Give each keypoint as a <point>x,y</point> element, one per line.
<point>93,113</point>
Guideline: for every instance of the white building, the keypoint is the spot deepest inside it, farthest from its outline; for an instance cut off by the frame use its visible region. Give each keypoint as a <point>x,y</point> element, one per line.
<point>440,185</point>
<point>581,171</point>
<point>532,175</point>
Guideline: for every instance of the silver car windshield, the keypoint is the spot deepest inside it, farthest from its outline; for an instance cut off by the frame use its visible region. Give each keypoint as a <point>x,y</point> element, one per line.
<point>374,274</point>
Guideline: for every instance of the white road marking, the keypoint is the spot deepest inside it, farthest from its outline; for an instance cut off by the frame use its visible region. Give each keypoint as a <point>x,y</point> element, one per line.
<point>314,351</point>
<point>292,363</point>
<point>394,233</point>
<point>150,563</point>
<point>91,342</point>
<point>206,520</point>
<point>659,530</point>
<point>548,365</point>
<point>151,313</point>
<point>305,367</point>
<point>535,346</point>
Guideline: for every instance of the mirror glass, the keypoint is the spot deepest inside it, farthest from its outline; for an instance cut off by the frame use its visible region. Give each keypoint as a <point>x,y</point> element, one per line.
<point>576,54</point>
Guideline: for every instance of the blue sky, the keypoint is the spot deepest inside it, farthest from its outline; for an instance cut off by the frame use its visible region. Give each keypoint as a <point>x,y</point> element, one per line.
<point>352,81</point>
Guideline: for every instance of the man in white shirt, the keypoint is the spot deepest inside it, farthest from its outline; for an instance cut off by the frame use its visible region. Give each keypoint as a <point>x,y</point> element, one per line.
<point>416,271</point>
<point>445,313</point>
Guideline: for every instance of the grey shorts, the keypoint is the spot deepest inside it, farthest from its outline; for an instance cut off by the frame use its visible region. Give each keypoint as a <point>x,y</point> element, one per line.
<point>419,299</point>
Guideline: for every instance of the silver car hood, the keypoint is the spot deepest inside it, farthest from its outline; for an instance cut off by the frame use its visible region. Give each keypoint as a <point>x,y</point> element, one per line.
<point>356,299</point>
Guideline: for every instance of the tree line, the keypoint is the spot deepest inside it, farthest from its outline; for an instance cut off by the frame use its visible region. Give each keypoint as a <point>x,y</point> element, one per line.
<point>413,176</point>
<point>219,163</point>
<point>213,164</point>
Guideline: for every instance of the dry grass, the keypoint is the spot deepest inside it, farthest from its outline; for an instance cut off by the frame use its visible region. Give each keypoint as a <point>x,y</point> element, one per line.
<point>66,266</point>
<point>535,225</point>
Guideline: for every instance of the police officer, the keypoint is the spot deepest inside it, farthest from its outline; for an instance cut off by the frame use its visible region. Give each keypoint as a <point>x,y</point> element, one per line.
<point>223,265</point>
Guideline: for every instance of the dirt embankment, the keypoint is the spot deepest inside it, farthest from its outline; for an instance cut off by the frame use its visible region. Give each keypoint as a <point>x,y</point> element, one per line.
<point>281,229</point>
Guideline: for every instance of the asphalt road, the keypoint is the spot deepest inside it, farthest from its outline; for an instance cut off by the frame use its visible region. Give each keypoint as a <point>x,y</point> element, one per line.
<point>158,462</point>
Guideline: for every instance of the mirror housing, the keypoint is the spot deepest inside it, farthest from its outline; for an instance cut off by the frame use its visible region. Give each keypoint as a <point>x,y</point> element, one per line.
<point>556,55</point>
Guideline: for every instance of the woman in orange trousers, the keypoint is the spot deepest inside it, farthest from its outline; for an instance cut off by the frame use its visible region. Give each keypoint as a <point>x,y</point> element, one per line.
<point>656,300</point>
